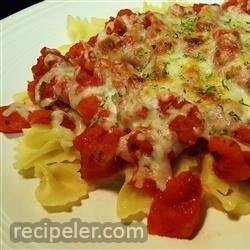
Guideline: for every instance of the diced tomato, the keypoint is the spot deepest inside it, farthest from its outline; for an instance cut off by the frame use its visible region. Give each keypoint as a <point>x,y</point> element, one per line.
<point>142,112</point>
<point>104,113</point>
<point>46,90</point>
<point>242,4</point>
<point>228,44</point>
<point>68,123</point>
<point>188,128</point>
<point>243,133</point>
<point>92,41</point>
<point>197,7</point>
<point>125,12</point>
<point>14,123</point>
<point>41,68</point>
<point>89,66</point>
<point>108,28</point>
<point>88,108</point>
<point>76,51</point>
<point>247,157</point>
<point>177,211</point>
<point>32,90</point>
<point>98,152</point>
<point>42,116</point>
<point>149,186</point>
<point>147,20</point>
<point>61,90</point>
<point>230,163</point>
<point>45,51</point>
<point>86,79</point>
<point>171,156</point>
<point>172,101</point>
<point>60,105</point>
<point>222,57</point>
<point>119,27</point>
<point>230,3</point>
<point>137,146</point>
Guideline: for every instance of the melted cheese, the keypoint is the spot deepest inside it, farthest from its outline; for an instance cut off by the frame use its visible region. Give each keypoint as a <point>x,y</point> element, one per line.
<point>168,58</point>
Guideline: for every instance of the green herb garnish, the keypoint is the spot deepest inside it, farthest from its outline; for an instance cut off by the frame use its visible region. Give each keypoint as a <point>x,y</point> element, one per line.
<point>198,101</point>
<point>227,22</point>
<point>156,86</point>
<point>233,114</point>
<point>243,103</point>
<point>209,90</point>
<point>224,85</point>
<point>165,69</point>
<point>224,132</point>
<point>212,131</point>
<point>188,24</point>
<point>94,121</point>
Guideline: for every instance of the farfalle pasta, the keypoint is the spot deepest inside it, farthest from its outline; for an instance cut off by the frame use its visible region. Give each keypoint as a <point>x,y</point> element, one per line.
<point>82,29</point>
<point>44,144</point>
<point>234,199</point>
<point>60,184</point>
<point>131,202</point>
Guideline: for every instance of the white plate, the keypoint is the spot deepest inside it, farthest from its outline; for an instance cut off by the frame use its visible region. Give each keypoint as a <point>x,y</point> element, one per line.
<point>23,35</point>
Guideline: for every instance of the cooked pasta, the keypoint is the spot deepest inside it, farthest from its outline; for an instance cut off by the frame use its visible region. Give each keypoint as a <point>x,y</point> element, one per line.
<point>161,97</point>
<point>132,201</point>
<point>234,198</point>
<point>60,184</point>
<point>83,29</point>
<point>51,145</point>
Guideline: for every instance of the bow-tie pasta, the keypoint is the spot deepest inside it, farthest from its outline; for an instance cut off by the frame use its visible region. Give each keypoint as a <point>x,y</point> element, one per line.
<point>132,202</point>
<point>60,184</point>
<point>233,198</point>
<point>44,144</point>
<point>83,29</point>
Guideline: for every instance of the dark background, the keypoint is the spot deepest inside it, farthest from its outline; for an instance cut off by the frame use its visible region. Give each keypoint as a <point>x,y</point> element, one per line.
<point>12,6</point>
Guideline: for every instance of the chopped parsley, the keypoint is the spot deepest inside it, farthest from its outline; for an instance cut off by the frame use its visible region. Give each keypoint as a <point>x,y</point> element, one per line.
<point>94,121</point>
<point>156,86</point>
<point>104,100</point>
<point>224,85</point>
<point>118,115</point>
<point>198,101</point>
<point>43,84</point>
<point>199,57</point>
<point>224,132</point>
<point>228,76</point>
<point>115,96</point>
<point>165,69</point>
<point>228,21</point>
<point>241,101</point>
<point>208,76</point>
<point>233,114</point>
<point>141,52</point>
<point>212,131</point>
<point>188,24</point>
<point>175,35</point>
<point>209,90</point>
